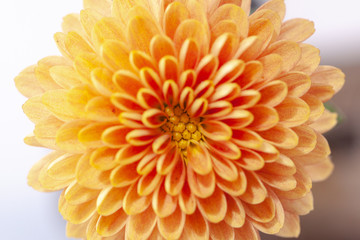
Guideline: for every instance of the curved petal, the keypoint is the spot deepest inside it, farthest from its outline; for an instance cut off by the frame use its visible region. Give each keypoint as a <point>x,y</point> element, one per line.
<point>235,214</point>
<point>196,227</point>
<point>255,191</point>
<point>201,186</point>
<point>134,204</point>
<point>108,226</point>
<point>110,200</point>
<point>163,204</point>
<point>124,175</point>
<point>171,227</point>
<point>140,226</point>
<point>214,207</point>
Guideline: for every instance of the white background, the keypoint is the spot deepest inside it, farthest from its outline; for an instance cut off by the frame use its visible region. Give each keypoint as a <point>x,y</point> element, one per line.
<point>26,30</point>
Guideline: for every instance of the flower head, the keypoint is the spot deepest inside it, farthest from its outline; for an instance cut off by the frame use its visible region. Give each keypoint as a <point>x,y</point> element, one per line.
<point>181,119</point>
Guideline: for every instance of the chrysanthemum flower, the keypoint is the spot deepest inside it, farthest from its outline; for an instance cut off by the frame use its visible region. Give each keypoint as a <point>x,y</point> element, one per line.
<point>181,119</point>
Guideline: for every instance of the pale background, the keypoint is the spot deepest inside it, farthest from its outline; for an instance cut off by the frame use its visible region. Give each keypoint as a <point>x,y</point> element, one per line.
<point>26,35</point>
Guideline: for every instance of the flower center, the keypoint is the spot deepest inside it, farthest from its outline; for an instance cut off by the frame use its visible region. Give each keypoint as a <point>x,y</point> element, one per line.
<point>182,127</point>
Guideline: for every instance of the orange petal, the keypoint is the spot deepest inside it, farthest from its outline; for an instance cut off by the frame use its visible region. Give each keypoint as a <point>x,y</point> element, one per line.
<point>293,112</point>
<point>207,68</point>
<point>140,226</point>
<point>171,92</point>
<point>187,200</point>
<point>236,187</point>
<point>270,15</point>
<point>67,136</point>
<point>194,29</point>
<point>124,175</point>
<point>280,137</point>
<point>263,212</point>
<point>167,161</point>
<point>272,66</point>
<point>252,73</point>
<point>148,183</point>
<point>276,5</point>
<point>317,108</point>
<point>205,89</point>
<point>264,117</point>
<point>235,214</point>
<point>197,108</point>
<point>219,109</point>
<point>310,59</point>
<point>298,83</point>
<point>221,230</point>
<point>76,194</point>
<point>125,102</point>
<point>247,231</point>
<point>214,207</point>
<point>237,119</point>
<point>151,79</point>
<point>108,226</point>
<point>225,149</point>
<point>148,99</point>
<point>140,32</point>
<point>301,206</point>
<point>187,79</point>
<point>283,166</point>
<point>201,185</point>
<point>134,204</point>
<point>169,68</point>
<point>229,71</point>
<point>189,54</point>
<point>171,227</point>
<point>175,13</point>
<point>273,93</point>
<point>320,171</point>
<point>216,130</point>
<point>199,158</point>
<point>110,200</point>
<point>196,227</point>
<point>225,46</point>
<point>186,98</point>
<point>127,82</point>
<point>162,203</point>
<point>247,139</point>
<point>130,154</point>
<point>255,191</point>
<point>101,109</point>
<point>103,158</point>
<point>250,160</point>
<point>226,92</point>
<point>131,119</point>
<point>329,75</point>
<point>284,183</point>
<point>76,230</point>
<point>291,226</point>
<point>224,168</point>
<point>115,55</point>
<point>141,137</point>
<point>174,181</point>
<point>322,92</point>
<point>297,29</point>
<point>115,137</point>
<point>76,214</point>
<point>161,46</point>
<point>88,176</point>
<point>325,122</point>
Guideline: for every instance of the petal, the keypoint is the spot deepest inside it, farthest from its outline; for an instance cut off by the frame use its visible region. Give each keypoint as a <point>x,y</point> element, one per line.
<point>161,46</point>
<point>329,75</point>
<point>298,83</point>
<point>247,231</point>
<point>199,158</point>
<point>283,166</point>
<point>171,227</point>
<point>310,59</point>
<point>280,137</point>
<point>103,6</point>
<point>175,13</point>
<point>88,176</point>
<point>225,46</point>
<point>84,63</point>
<point>194,29</point>
<point>140,59</point>
<point>76,214</point>
<point>264,117</point>
<point>175,180</point>
<point>325,122</point>
<point>76,230</point>
<point>255,191</point>
<point>225,149</point>
<point>214,207</point>
<point>272,66</point>
<point>131,119</point>
<point>207,68</point>
<point>127,81</point>
<point>103,158</point>
<point>196,227</point>
<point>65,76</point>
<point>110,225</point>
<point>219,109</point>
<point>247,139</point>
<point>224,168</point>
<point>110,200</point>
<point>187,79</point>
<point>169,68</point>
<point>171,92</point>
<point>107,28</point>
<point>163,204</point>
<point>297,29</point>
<point>187,200</point>
<point>273,93</point>
<point>141,137</point>
<point>235,214</point>
<point>236,187</point>
<point>270,15</point>
<point>238,119</point>
<point>115,55</point>
<point>221,230</point>
<point>167,161</point>
<point>134,204</point>
<point>205,89</point>
<point>148,183</point>
<point>291,226</point>
<point>197,108</point>
<point>186,98</point>
<point>250,160</point>
<point>76,194</point>
<point>189,54</point>
<point>140,32</point>
<point>101,109</point>
<point>284,183</point>
<point>55,101</point>
<point>307,141</point>
<point>263,212</point>
<point>317,108</point>
<point>226,92</point>
<point>140,226</point>
<point>320,171</point>
<point>88,18</point>
<point>293,112</point>
<point>201,185</point>
<point>301,206</point>
<point>130,154</point>
<point>148,99</point>
<point>252,73</point>
<point>229,71</point>
<point>27,83</point>
<point>152,80</point>
<point>216,130</point>
<point>63,167</point>
<point>90,135</point>
<point>276,5</point>
<point>115,137</point>
<point>125,102</point>
<point>124,175</point>
<point>67,136</point>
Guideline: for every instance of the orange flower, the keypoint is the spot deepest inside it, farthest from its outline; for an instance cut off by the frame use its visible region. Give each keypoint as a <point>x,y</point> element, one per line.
<point>181,119</point>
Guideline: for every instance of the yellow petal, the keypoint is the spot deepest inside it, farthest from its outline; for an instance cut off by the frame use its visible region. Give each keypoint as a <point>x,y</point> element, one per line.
<point>108,226</point>
<point>115,55</point>
<point>42,72</point>
<point>134,204</point>
<point>76,194</point>
<point>107,28</point>
<point>90,135</point>
<point>88,176</point>
<point>103,158</point>
<point>76,213</point>
<point>27,83</point>
<point>88,18</point>
<point>56,102</point>
<point>65,76</point>
<point>140,226</point>
<point>64,167</point>
<point>110,200</point>
<point>103,6</point>
<point>84,63</point>
<point>76,230</point>
<point>67,136</point>
<point>124,175</point>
